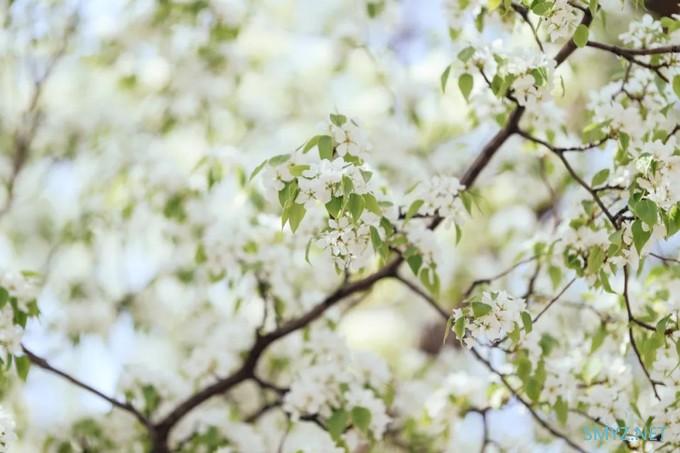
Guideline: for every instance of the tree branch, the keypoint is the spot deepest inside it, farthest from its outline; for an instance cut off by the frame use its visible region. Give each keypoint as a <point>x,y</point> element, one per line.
<point>124,405</point>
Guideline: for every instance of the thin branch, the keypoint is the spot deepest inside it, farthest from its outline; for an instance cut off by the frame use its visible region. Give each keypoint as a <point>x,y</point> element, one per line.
<point>621,51</point>
<point>665,259</point>
<point>124,405</point>
<point>524,14</point>
<point>629,54</point>
<point>413,287</point>
<point>526,404</point>
<point>632,337</point>
<point>573,174</point>
<point>554,299</point>
<point>485,281</point>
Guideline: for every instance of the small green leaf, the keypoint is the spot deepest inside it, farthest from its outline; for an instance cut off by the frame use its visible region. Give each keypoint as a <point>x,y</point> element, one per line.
<point>311,143</point>
<point>334,206</point>
<point>561,410</point>
<point>600,177</point>
<point>465,83</point>
<point>257,170</point>
<point>356,206</point>
<point>526,320</point>
<point>676,85</point>
<point>278,160</point>
<point>480,309</point>
<point>325,145</point>
<point>541,8</point>
<point>4,296</point>
<point>296,212</point>
<point>338,119</point>
<point>459,328</point>
<point>555,275</point>
<point>413,209</point>
<point>533,389</point>
<point>465,54</point>
<point>414,262</point>
<point>372,204</point>
<point>337,423</point>
<point>445,77</point>
<point>598,338</point>
<point>646,210</point>
<point>493,4</point>
<point>361,418</point>
<point>23,363</point>
<point>640,236</point>
<point>581,35</point>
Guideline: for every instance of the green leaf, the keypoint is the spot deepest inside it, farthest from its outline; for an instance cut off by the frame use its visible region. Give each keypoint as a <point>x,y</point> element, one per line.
<point>676,85</point>
<point>598,338</point>
<point>337,423</point>
<point>311,143</point>
<point>561,410</point>
<point>414,262</point>
<point>445,77</point>
<point>480,309</point>
<point>296,212</point>
<point>372,204</point>
<point>278,160</point>
<point>493,4</point>
<point>526,320</point>
<point>23,363</point>
<point>4,296</point>
<point>640,237</point>
<point>430,279</point>
<point>600,177</point>
<point>257,170</point>
<point>533,389</point>
<point>356,206</point>
<point>325,145</point>
<point>672,220</point>
<point>541,8</point>
<point>595,259</point>
<point>581,35</point>
<point>413,209</point>
<point>334,206</point>
<point>361,418</point>
<point>459,328</point>
<point>465,54</point>
<point>374,8</point>
<point>646,210</point>
<point>555,274</point>
<point>338,119</point>
<point>465,83</point>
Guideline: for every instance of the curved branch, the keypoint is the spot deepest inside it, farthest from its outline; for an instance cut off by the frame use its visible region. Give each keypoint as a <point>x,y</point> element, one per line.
<point>124,405</point>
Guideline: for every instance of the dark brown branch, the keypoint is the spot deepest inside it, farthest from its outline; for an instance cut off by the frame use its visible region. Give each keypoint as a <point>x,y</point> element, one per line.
<point>621,51</point>
<point>247,370</point>
<point>632,337</point>
<point>124,405</point>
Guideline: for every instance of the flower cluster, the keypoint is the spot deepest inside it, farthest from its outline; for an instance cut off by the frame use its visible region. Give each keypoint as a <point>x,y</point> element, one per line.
<point>561,21</point>
<point>17,304</point>
<point>646,32</point>
<point>493,317</point>
<point>659,172</point>
<point>336,383</point>
<point>440,196</point>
